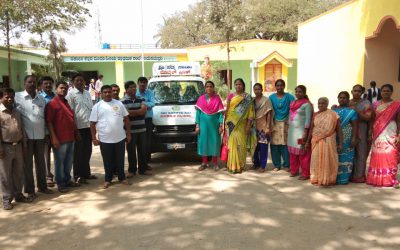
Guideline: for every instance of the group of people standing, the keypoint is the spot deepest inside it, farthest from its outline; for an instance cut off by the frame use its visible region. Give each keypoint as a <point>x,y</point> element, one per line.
<point>34,123</point>
<point>330,146</point>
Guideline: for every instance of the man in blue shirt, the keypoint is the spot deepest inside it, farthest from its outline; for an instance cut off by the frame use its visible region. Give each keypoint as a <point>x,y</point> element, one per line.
<point>47,92</point>
<point>148,97</point>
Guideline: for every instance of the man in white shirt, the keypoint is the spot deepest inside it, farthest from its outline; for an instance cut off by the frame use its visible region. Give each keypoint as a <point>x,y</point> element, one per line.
<point>31,106</point>
<point>81,103</point>
<point>92,91</point>
<point>374,93</point>
<point>98,85</point>
<point>108,119</point>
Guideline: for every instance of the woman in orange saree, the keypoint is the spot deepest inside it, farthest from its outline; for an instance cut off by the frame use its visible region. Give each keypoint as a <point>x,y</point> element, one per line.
<point>385,141</point>
<point>325,128</point>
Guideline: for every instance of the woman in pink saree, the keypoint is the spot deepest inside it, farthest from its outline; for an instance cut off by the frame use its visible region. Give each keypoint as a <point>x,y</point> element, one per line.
<point>385,141</point>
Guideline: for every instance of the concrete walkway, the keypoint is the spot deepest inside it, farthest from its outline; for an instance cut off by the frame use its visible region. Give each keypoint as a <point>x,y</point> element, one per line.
<point>180,208</point>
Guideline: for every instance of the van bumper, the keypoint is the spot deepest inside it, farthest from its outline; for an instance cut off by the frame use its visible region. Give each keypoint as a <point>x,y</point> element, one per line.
<point>168,142</point>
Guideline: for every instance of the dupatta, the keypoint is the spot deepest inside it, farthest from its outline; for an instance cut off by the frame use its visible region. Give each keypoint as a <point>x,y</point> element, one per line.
<point>210,105</point>
<point>294,106</point>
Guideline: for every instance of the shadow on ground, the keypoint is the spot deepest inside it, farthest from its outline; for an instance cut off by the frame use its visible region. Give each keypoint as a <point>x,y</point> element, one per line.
<point>180,208</point>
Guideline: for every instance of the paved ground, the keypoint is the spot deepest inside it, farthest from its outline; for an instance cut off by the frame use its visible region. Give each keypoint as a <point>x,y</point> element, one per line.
<point>180,208</point>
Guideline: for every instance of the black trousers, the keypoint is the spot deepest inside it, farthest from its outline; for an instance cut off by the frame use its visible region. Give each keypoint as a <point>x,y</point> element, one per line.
<point>35,149</point>
<point>82,154</point>
<point>138,143</point>
<point>149,137</point>
<point>47,157</point>
<point>113,158</point>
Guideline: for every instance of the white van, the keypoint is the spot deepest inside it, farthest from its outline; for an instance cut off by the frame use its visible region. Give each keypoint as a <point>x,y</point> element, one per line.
<point>176,87</point>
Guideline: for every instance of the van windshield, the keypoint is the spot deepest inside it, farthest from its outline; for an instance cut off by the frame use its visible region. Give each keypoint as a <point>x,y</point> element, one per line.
<point>177,92</point>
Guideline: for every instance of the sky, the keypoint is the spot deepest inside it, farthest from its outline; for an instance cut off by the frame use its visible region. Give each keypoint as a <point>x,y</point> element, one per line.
<point>120,22</point>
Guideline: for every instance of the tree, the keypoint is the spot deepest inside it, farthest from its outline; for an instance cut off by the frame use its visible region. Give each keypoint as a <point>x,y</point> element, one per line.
<point>238,20</point>
<point>56,46</point>
<point>38,17</point>
<point>186,28</point>
<point>225,15</point>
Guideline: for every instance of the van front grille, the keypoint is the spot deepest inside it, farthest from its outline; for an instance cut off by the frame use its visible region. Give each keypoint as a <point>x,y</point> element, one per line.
<point>175,129</point>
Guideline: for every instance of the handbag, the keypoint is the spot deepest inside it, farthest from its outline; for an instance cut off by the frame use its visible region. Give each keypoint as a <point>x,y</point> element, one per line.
<point>224,149</point>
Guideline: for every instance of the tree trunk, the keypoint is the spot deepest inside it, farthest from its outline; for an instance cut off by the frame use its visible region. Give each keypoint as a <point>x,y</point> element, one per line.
<point>228,72</point>
<point>8,49</point>
<point>228,50</point>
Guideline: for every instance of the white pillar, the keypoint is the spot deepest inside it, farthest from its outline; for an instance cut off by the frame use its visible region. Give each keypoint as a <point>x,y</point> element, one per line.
<point>253,76</point>
<point>28,68</point>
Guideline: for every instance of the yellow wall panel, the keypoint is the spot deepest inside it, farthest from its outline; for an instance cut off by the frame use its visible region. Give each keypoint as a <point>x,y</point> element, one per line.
<point>242,50</point>
<point>119,73</point>
<point>331,47</point>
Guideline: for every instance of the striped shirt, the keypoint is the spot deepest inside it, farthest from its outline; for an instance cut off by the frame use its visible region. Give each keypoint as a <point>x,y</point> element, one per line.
<point>137,123</point>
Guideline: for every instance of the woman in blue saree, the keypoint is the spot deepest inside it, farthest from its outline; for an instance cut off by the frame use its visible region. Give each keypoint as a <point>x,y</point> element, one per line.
<point>348,120</point>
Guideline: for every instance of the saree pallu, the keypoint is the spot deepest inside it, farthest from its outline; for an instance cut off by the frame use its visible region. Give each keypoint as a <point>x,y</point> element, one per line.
<point>346,157</point>
<point>361,152</point>
<point>384,153</point>
<point>241,109</point>
<point>262,107</point>
<point>324,156</point>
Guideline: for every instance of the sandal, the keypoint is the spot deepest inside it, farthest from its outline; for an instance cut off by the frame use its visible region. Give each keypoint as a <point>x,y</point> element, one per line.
<point>130,175</point>
<point>261,170</point>
<point>294,175</point>
<point>7,206</point>
<point>202,167</point>
<point>50,183</point>
<point>23,199</point>
<point>276,169</point>
<point>125,182</point>
<point>303,178</point>
<point>92,177</point>
<point>73,184</point>
<point>82,181</point>
<point>106,185</point>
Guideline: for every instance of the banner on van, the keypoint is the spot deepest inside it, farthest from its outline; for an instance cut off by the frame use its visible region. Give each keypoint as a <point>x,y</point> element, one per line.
<point>176,69</point>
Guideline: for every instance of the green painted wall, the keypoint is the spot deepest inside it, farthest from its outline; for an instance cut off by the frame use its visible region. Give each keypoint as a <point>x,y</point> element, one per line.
<point>240,69</point>
<point>133,70</point>
<point>18,72</point>
<point>107,69</point>
<point>292,76</point>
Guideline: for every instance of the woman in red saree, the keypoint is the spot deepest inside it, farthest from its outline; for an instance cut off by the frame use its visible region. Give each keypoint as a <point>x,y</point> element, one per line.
<point>385,141</point>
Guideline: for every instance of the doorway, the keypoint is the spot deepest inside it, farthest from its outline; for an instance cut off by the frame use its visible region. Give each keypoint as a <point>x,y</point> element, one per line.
<point>273,72</point>
<point>382,56</point>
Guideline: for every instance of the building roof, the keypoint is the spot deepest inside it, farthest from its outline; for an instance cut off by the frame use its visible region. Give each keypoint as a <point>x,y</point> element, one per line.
<point>125,52</point>
<point>328,12</point>
<point>26,52</point>
<point>240,42</point>
<point>269,57</point>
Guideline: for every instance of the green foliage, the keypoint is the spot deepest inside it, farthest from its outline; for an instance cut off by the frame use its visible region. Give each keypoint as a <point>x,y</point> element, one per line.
<point>39,17</point>
<point>213,21</point>
<point>221,87</point>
